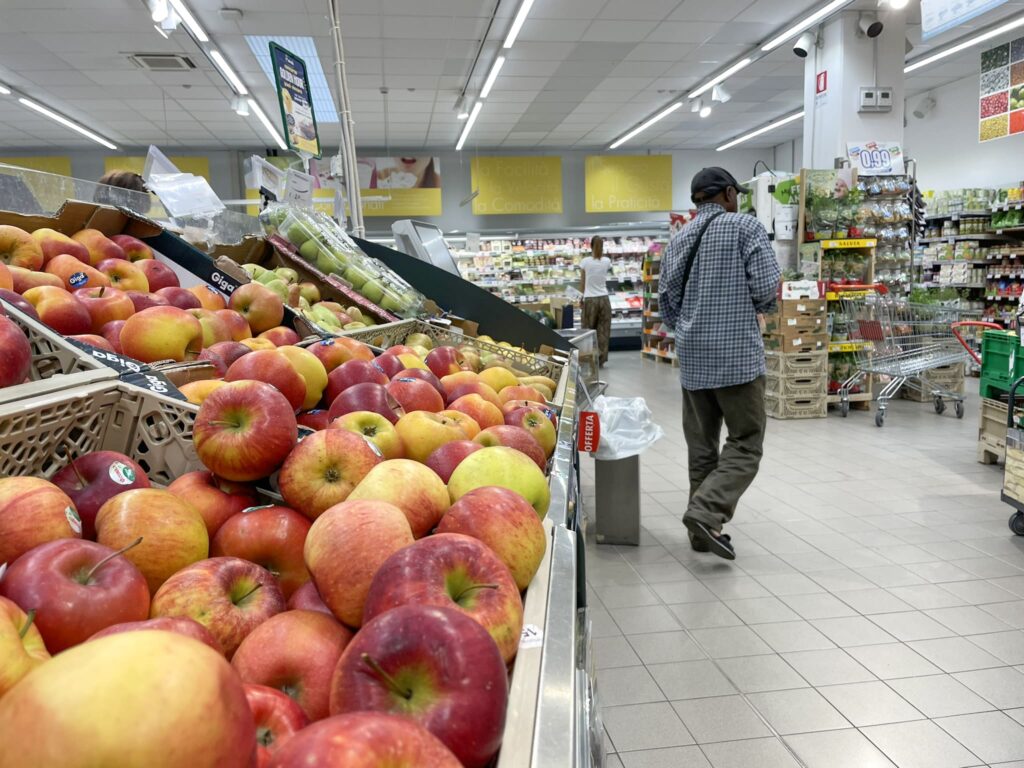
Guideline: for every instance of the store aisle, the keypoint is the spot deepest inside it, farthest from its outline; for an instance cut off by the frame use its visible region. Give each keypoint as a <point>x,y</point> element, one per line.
<point>874,615</point>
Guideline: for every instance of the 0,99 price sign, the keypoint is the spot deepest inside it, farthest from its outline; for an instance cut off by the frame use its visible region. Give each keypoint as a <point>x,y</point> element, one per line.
<point>876,158</point>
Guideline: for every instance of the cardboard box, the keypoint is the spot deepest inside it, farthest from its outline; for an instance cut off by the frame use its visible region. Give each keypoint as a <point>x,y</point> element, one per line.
<point>791,325</point>
<point>802,307</point>
<point>789,342</point>
<point>802,289</point>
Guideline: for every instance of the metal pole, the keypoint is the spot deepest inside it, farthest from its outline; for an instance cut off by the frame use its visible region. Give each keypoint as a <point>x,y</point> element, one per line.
<point>348,146</point>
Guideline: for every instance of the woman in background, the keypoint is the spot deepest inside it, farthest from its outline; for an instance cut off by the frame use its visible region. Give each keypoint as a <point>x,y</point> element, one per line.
<point>123,180</point>
<point>597,307</point>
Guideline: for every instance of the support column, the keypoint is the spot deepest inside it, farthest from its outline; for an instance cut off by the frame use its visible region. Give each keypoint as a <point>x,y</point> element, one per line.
<point>847,60</point>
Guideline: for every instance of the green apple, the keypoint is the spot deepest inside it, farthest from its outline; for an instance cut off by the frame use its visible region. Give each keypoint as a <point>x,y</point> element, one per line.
<point>309,292</point>
<point>323,316</point>
<point>253,271</point>
<point>356,275</point>
<point>373,290</point>
<point>287,274</point>
<point>392,303</point>
<point>325,263</point>
<point>419,340</point>
<point>309,250</point>
<point>266,276</point>
<point>354,326</point>
<point>304,302</point>
<point>280,287</point>
<point>296,235</point>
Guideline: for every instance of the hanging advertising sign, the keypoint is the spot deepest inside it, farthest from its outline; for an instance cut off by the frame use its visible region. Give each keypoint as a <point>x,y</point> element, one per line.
<point>296,99</point>
<point>1001,96</point>
<point>516,185</point>
<point>400,186</point>
<point>628,183</point>
<point>938,16</point>
<point>876,158</point>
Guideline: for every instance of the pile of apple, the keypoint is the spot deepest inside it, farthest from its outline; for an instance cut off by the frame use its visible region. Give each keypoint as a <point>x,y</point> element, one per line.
<point>304,297</point>
<point>368,618</point>
<point>112,294</point>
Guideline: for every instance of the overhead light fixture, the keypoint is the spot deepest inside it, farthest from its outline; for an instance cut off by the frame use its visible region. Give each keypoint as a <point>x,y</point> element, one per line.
<point>229,73</point>
<point>462,115</point>
<point>66,122</point>
<point>492,76</point>
<point>968,43</point>
<point>697,106</point>
<point>720,78</point>
<point>240,105</point>
<point>517,23</point>
<point>705,111</point>
<point>160,31</point>
<point>261,115</point>
<point>4,90</point>
<point>898,5</point>
<point>474,113</point>
<point>189,20</point>
<point>159,10</point>
<point>803,24</point>
<point>644,126</point>
<point>760,131</point>
<point>719,94</point>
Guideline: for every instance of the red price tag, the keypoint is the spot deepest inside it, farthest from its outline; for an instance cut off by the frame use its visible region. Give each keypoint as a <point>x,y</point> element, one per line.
<point>589,432</point>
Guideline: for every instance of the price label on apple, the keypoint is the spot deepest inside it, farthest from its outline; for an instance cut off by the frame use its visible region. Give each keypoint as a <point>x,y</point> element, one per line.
<point>121,473</point>
<point>531,637</point>
<point>73,520</point>
<point>3,570</point>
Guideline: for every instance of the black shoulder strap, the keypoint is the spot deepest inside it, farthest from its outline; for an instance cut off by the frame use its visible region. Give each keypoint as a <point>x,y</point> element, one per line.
<point>692,255</point>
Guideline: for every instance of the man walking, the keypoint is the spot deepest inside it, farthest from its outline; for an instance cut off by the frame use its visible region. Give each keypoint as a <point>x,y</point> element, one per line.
<point>719,274</point>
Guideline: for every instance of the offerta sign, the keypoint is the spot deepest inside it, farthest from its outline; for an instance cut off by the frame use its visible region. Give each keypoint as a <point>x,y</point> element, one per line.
<point>628,183</point>
<point>516,185</point>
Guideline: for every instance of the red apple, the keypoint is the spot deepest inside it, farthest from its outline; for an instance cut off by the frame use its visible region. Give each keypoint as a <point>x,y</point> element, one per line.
<point>141,301</point>
<point>105,305</point>
<point>160,275</point>
<point>437,656</point>
<point>177,625</point>
<point>306,598</point>
<point>172,531</point>
<point>54,243</point>
<point>400,349</point>
<point>17,301</point>
<point>365,740</point>
<point>271,537</point>
<point>33,512</point>
<point>415,394</point>
<point>236,324</point>
<point>214,329</point>
<point>244,430</point>
<point>260,306</point>
<point>296,653</point>
<point>209,298</point>
<point>452,570</point>
<point>19,249</point>
<point>76,588</point>
<point>216,499</point>
<point>376,429</point>
<point>505,522</point>
<point>537,424</point>
<point>312,371</point>
<point>24,279</point>
<point>58,309</point>
<point>281,336</point>
<point>513,437</point>
<point>124,275</point>
<point>324,468</point>
<point>141,699</point>
<point>412,487</point>
<point>366,397</point>
<point>483,412</point>
<point>179,297</point>
<point>425,375</point>
<point>444,361</point>
<point>277,719</point>
<point>473,388</point>
<point>99,245</point>
<point>349,374</point>
<point>21,646</point>
<point>523,392</point>
<point>112,333</point>
<point>510,406</point>
<point>227,595</point>
<point>162,333</point>
<point>469,426</point>
<point>335,352</point>
<point>274,368</point>
<point>94,341</point>
<point>316,419</point>
<point>134,249</point>
<point>423,432</point>
<point>223,354</point>
<point>344,548</point>
<point>447,457</point>
<point>15,354</point>
<point>390,364</point>
<point>90,481</point>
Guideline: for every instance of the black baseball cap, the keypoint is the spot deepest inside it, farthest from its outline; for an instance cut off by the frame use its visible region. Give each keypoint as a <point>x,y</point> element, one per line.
<point>708,182</point>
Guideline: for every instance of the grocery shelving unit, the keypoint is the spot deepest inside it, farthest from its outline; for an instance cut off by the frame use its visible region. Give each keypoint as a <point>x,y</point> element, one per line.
<point>860,255</point>
<point>658,342</point>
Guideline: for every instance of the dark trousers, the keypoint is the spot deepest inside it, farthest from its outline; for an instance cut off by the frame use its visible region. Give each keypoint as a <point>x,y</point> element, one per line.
<point>719,477</point>
<point>597,315</point>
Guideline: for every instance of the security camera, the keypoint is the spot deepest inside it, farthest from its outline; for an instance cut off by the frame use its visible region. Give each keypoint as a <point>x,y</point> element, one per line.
<point>870,25</point>
<point>804,44</point>
<point>922,110</point>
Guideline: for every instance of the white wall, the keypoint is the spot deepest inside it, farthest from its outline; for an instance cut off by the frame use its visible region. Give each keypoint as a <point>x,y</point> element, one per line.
<point>946,147</point>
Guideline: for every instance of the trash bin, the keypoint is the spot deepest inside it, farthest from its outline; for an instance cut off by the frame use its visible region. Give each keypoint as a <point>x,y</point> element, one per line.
<point>626,431</point>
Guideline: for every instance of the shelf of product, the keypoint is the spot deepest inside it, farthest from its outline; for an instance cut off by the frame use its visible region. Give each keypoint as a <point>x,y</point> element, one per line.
<point>658,340</point>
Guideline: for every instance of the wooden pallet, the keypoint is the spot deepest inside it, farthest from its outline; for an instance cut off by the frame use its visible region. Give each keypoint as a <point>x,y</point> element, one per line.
<point>655,356</point>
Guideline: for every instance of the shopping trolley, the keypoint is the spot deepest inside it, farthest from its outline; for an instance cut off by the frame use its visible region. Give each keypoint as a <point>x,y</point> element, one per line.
<point>1013,468</point>
<point>904,342</point>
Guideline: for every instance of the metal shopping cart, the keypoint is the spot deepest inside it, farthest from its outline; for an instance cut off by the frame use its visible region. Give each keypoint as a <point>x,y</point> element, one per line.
<point>904,342</point>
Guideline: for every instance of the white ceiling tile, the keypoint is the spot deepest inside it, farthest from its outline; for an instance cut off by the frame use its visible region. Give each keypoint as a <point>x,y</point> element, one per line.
<point>684,31</point>
<point>618,31</point>
<point>702,10</point>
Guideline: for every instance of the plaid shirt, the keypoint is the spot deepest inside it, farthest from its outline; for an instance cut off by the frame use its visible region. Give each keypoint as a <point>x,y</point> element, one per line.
<point>735,276</point>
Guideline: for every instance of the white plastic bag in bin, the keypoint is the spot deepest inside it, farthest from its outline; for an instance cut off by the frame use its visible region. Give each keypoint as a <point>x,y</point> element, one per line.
<point>627,428</point>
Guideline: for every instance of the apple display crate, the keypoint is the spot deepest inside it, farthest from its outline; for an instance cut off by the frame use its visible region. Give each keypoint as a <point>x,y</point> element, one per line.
<point>37,434</point>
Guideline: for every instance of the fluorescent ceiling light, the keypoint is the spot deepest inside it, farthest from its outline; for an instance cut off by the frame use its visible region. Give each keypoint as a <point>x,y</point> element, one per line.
<point>754,134</point>
<point>4,90</point>
<point>968,43</point>
<point>159,10</point>
<point>898,4</point>
<point>492,76</point>
<point>462,115</point>
<point>66,122</point>
<point>161,32</point>
<point>644,126</point>
<point>255,109</point>
<point>305,48</point>
<point>803,24</point>
<point>721,77</point>
<point>190,21</point>
<point>469,125</point>
<point>517,23</point>
<point>229,73</point>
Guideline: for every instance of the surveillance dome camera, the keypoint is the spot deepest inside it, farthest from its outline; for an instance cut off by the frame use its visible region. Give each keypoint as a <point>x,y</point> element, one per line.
<point>924,108</point>
<point>870,25</point>
<point>804,44</point>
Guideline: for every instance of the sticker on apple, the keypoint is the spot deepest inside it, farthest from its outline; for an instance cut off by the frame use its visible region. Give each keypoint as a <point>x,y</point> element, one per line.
<point>3,570</point>
<point>532,637</point>
<point>78,279</point>
<point>73,519</point>
<point>121,473</point>
<point>254,509</point>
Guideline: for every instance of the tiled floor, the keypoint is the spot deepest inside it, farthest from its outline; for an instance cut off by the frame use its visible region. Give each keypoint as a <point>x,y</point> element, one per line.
<point>874,615</point>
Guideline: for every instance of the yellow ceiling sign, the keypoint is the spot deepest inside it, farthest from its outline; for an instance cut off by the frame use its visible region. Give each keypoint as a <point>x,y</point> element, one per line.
<point>196,165</point>
<point>628,183</point>
<point>516,185</point>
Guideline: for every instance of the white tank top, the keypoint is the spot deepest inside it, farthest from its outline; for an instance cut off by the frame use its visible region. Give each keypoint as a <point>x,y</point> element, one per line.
<point>596,271</point>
